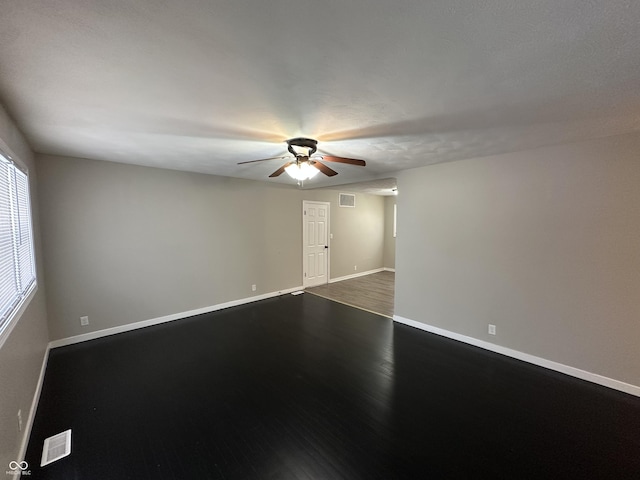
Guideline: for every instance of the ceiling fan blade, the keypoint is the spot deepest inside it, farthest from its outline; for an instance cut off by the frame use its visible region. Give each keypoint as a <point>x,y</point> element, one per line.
<point>264,159</point>
<point>324,169</point>
<point>279,171</point>
<point>350,161</point>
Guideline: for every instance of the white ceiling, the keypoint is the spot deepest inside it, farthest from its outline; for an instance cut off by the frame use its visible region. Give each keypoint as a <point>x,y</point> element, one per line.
<point>200,85</point>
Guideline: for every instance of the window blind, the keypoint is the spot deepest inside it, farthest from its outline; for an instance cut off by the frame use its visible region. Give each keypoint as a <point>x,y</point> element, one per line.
<point>17,265</point>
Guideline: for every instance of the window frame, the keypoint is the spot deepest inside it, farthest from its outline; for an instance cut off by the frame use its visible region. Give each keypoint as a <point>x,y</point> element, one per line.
<point>16,312</point>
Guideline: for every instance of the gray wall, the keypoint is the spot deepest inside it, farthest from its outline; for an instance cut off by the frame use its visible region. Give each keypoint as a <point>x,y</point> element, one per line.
<point>389,255</point>
<point>358,233</point>
<point>544,244</point>
<point>22,354</point>
<point>126,243</point>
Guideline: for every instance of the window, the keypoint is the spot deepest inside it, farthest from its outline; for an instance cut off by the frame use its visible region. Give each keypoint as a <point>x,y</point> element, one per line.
<point>395,220</point>
<point>17,265</point>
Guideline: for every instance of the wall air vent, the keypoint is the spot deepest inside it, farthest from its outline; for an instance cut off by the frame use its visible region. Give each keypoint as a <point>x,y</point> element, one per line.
<point>347,200</point>
<point>56,447</point>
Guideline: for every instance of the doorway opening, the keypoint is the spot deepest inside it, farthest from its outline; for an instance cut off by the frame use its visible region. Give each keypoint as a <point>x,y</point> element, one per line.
<point>361,269</point>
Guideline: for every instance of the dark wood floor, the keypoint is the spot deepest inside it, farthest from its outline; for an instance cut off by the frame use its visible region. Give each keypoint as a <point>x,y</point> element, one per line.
<point>374,293</point>
<point>299,387</point>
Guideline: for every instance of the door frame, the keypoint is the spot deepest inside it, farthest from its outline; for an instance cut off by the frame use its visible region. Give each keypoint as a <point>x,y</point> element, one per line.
<point>304,234</point>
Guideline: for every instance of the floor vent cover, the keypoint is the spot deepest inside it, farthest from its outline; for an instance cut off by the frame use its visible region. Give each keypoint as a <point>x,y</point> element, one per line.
<point>56,447</point>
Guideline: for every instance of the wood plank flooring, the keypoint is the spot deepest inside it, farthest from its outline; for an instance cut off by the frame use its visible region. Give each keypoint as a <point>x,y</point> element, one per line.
<point>300,387</point>
<point>374,292</point>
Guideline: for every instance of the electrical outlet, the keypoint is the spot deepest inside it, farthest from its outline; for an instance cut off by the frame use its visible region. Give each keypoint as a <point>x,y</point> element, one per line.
<point>20,420</point>
<point>492,329</point>
<point>355,267</point>
<point>84,321</point>
<point>253,288</point>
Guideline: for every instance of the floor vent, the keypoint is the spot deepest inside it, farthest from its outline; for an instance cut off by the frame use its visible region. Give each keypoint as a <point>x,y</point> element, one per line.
<point>56,447</point>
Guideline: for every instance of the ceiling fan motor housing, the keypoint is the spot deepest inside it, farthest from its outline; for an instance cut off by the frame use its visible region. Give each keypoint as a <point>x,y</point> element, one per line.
<point>309,143</point>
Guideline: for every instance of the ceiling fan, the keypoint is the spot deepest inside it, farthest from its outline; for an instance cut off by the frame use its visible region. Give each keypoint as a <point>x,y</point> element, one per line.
<point>305,166</point>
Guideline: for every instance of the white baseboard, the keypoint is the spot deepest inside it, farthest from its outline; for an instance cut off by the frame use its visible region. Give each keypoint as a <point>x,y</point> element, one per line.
<point>387,269</point>
<point>124,328</point>
<point>541,362</point>
<point>34,405</point>
<point>355,275</point>
<point>167,318</point>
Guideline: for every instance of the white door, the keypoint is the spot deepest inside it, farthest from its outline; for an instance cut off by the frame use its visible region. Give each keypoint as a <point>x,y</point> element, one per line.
<point>315,237</point>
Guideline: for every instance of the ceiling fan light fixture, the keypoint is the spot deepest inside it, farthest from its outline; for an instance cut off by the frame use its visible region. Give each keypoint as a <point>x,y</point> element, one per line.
<point>305,165</point>
<point>301,171</point>
<point>301,150</point>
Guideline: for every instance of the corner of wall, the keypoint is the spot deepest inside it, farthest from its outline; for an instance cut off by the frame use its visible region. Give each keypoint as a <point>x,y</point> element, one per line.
<point>25,350</point>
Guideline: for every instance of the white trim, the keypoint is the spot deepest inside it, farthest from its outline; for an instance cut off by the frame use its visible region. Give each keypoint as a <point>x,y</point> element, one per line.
<point>387,269</point>
<point>8,151</point>
<point>304,237</point>
<point>541,362</point>
<point>34,405</point>
<point>355,275</point>
<point>120,329</point>
<point>17,314</point>
<point>167,318</point>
